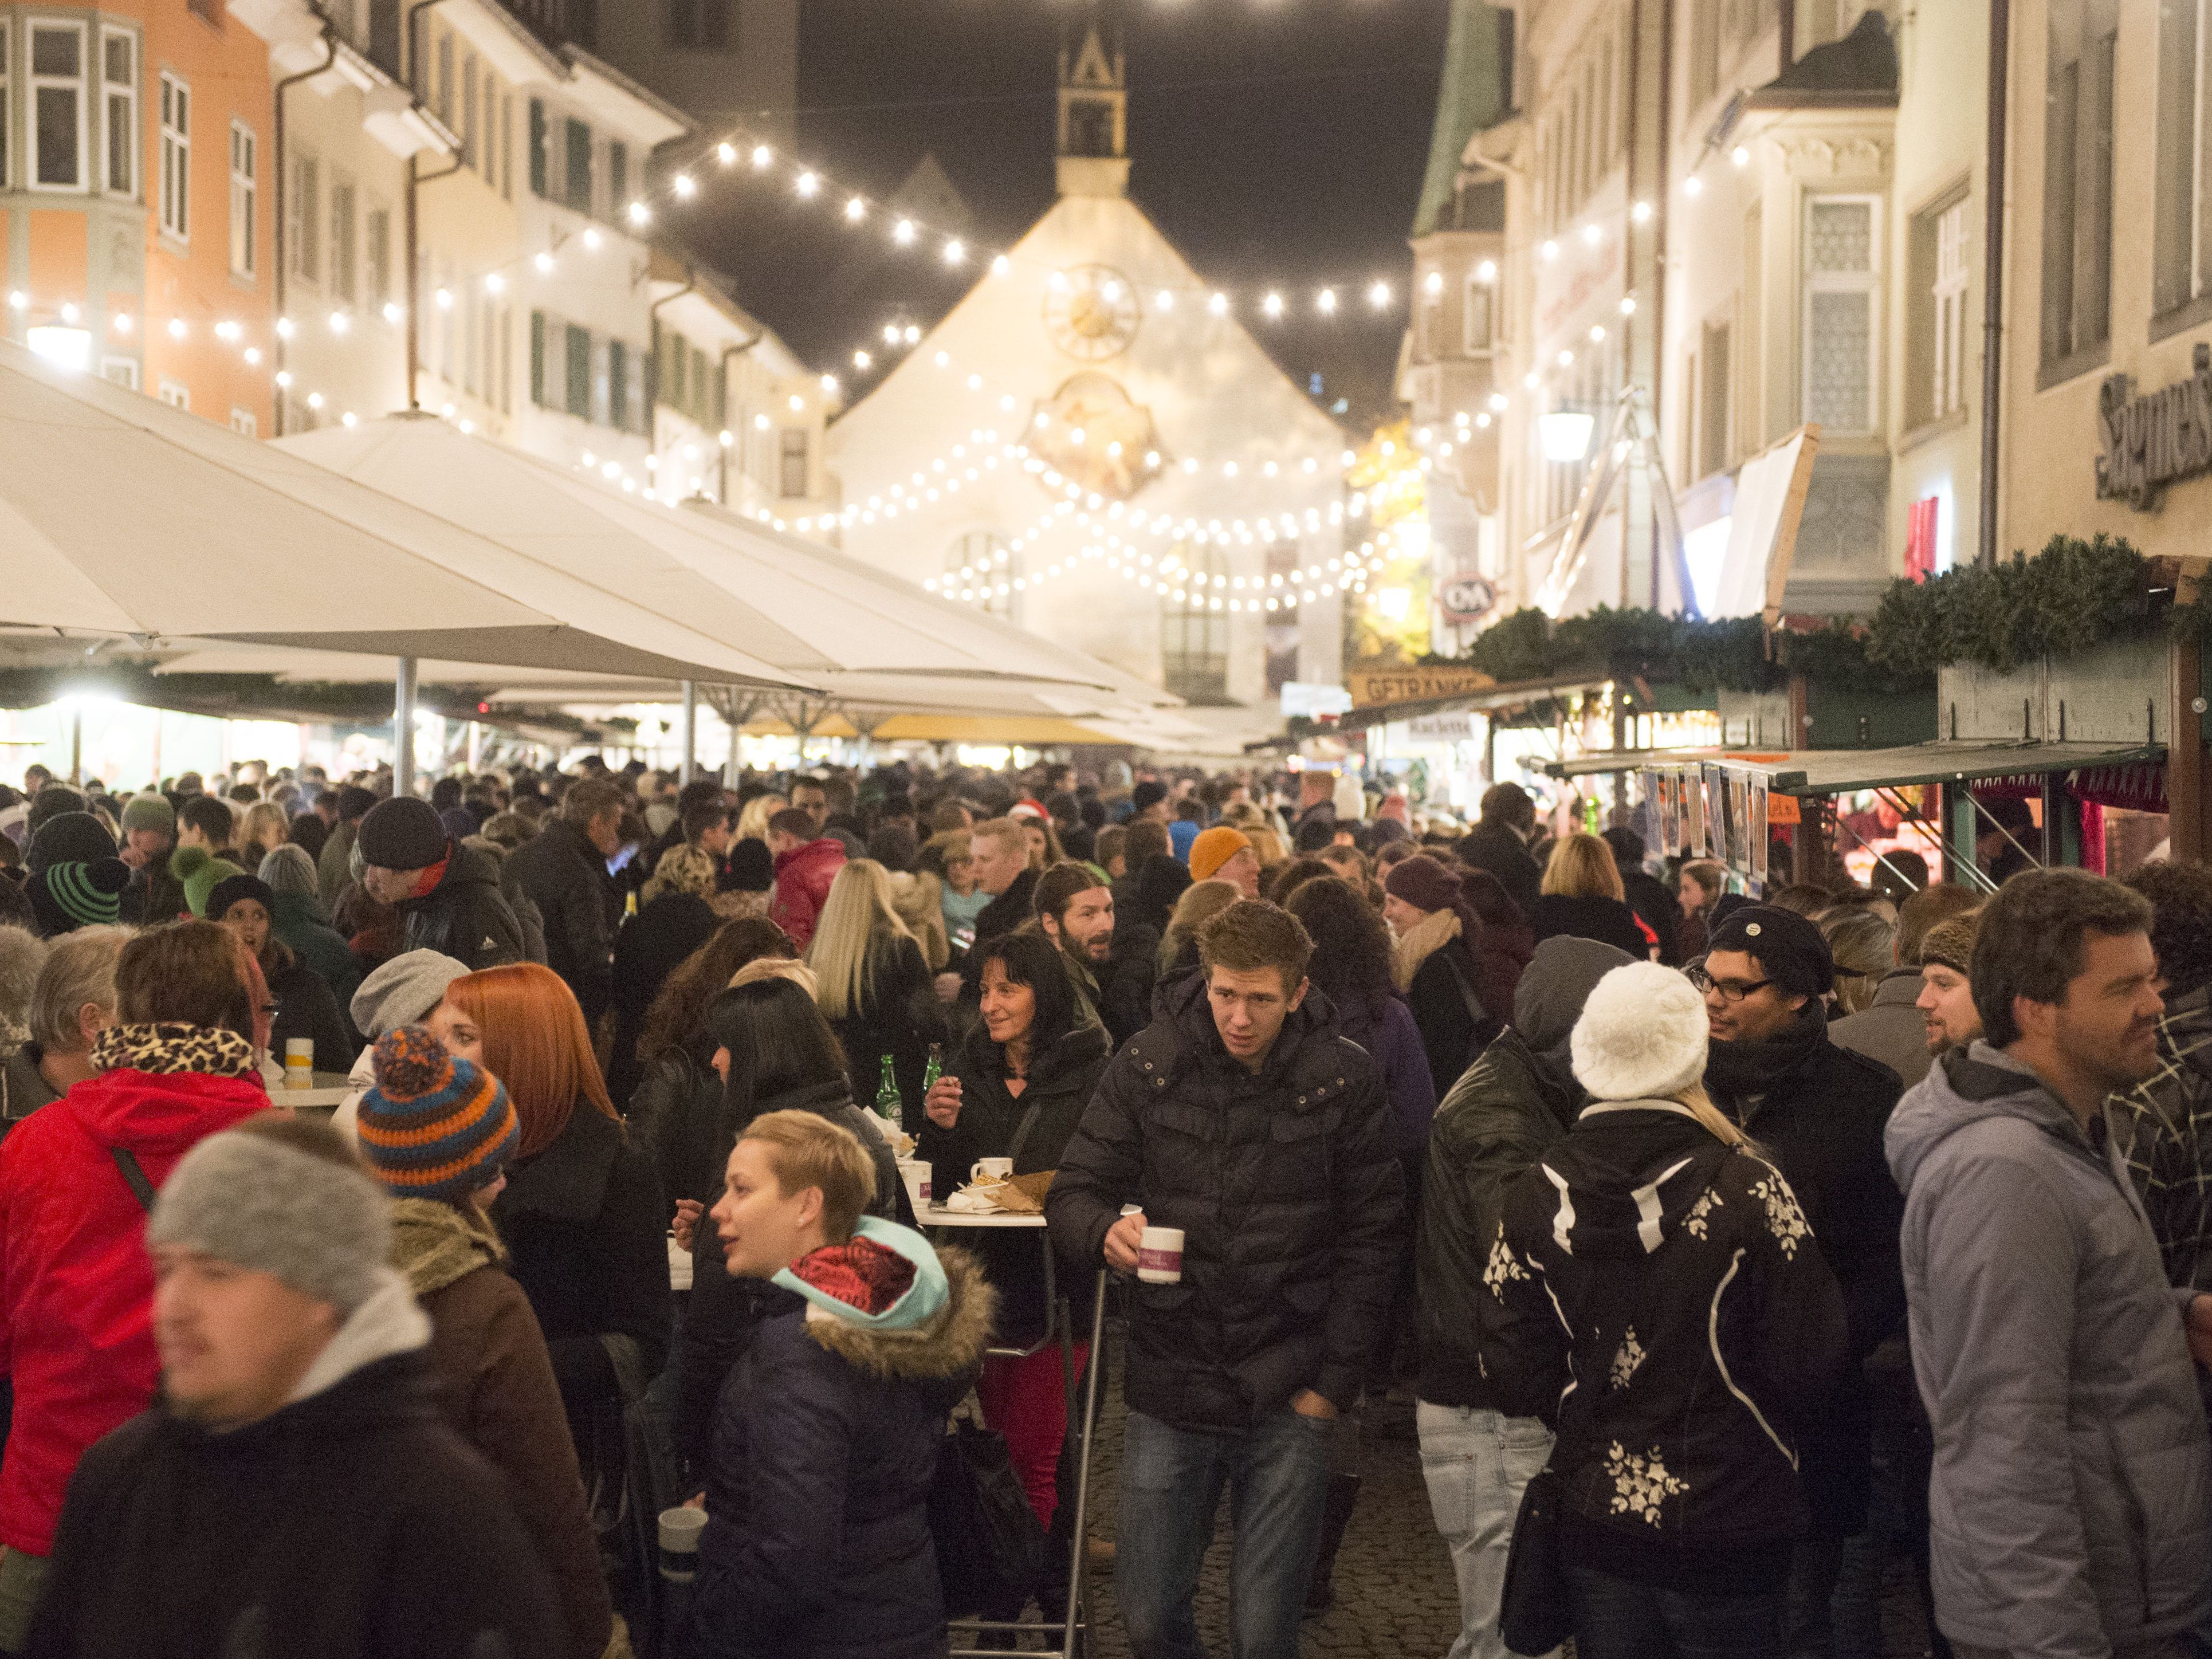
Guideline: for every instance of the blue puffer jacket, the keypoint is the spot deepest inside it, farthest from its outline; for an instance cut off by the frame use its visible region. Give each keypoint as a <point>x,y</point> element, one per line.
<point>818,1542</point>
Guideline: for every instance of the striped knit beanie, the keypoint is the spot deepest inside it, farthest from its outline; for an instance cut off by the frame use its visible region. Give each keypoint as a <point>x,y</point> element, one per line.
<point>435,1125</point>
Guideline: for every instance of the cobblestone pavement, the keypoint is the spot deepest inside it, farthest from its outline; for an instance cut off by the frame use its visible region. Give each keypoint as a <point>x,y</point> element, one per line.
<point>1395,1598</point>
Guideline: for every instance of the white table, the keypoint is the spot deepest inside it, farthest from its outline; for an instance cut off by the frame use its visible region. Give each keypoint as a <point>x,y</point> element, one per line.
<point>330,1090</point>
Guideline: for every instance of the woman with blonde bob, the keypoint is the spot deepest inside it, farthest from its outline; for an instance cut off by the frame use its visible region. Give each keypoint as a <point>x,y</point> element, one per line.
<point>876,991</point>
<point>1584,897</point>
<point>582,1215</point>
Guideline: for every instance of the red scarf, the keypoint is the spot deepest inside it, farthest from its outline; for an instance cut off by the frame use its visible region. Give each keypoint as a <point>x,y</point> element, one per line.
<point>862,1274</point>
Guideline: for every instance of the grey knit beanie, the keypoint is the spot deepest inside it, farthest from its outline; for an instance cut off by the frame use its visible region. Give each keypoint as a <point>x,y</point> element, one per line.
<point>403,991</point>
<point>256,1203</point>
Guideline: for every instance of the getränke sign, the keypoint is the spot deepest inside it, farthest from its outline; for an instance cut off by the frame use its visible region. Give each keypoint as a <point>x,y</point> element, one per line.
<point>2146,443</point>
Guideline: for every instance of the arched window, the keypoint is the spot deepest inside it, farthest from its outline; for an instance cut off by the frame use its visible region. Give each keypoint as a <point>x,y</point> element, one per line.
<point>982,569</point>
<point>1194,625</point>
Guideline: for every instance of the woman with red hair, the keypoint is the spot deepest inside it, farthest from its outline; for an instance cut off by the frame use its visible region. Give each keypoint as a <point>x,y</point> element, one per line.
<point>583,1216</point>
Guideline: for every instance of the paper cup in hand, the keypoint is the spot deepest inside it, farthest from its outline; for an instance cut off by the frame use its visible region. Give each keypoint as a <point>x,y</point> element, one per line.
<point>679,1542</point>
<point>989,1171</point>
<point>1159,1256</point>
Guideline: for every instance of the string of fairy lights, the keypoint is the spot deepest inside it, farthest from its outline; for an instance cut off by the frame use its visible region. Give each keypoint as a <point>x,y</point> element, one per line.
<point>742,156</point>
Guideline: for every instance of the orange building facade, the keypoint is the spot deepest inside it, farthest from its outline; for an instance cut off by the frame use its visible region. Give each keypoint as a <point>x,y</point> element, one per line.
<point>136,196</point>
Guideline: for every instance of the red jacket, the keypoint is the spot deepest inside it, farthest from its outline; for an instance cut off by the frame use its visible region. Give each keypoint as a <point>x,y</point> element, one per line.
<point>76,1287</point>
<point>803,876</point>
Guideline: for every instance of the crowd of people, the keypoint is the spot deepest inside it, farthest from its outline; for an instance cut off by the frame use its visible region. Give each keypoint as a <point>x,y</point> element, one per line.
<point>1728,1249</point>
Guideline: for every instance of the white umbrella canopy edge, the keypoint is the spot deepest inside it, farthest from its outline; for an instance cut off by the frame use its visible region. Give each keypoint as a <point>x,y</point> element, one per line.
<point>788,604</point>
<point>194,531</point>
<point>1012,645</point>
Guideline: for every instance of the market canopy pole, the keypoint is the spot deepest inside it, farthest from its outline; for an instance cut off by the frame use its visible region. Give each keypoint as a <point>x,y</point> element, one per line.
<point>691,729</point>
<point>403,729</point>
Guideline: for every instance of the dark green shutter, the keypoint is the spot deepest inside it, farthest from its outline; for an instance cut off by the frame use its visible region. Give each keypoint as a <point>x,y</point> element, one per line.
<point>619,385</point>
<point>579,371</point>
<point>537,358</point>
<point>537,139</point>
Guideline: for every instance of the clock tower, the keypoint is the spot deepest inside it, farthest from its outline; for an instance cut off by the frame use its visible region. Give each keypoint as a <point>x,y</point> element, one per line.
<point>1094,117</point>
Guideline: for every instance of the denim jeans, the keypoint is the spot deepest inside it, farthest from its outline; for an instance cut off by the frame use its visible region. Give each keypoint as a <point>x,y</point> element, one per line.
<point>1277,1473</point>
<point>1621,1619</point>
<point>1477,1463</point>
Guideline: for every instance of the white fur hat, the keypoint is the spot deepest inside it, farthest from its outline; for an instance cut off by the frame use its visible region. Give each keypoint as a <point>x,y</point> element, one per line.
<point>1641,1035</point>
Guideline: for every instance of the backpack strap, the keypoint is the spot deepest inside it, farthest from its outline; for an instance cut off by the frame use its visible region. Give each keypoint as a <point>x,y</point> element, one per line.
<point>133,1176</point>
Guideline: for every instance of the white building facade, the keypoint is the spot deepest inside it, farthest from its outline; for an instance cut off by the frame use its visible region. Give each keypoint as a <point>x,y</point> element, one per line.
<point>1090,445</point>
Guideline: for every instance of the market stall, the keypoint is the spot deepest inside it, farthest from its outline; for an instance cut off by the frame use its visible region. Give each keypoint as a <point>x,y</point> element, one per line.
<point>1958,811</point>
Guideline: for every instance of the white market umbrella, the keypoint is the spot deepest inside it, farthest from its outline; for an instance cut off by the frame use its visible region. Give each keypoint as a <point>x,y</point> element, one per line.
<point>814,613</point>
<point>122,516</point>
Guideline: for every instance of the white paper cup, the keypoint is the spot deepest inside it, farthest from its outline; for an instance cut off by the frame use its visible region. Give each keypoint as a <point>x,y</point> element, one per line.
<point>917,1178</point>
<point>680,1528</point>
<point>989,1170</point>
<point>1159,1256</point>
<point>299,1063</point>
<point>679,1543</point>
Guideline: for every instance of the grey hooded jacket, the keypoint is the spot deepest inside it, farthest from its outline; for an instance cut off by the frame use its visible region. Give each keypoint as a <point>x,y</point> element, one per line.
<point>2071,1504</point>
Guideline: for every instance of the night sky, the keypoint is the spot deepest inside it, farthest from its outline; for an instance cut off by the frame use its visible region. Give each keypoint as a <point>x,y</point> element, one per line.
<point>1275,142</point>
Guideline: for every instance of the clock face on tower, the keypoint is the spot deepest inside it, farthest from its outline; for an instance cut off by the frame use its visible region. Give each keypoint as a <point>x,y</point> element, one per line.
<point>1092,312</point>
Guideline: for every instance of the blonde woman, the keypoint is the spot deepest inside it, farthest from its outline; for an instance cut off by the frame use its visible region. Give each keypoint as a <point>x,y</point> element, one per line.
<point>264,830</point>
<point>876,989</point>
<point>1583,898</point>
<point>753,817</point>
<point>1200,903</point>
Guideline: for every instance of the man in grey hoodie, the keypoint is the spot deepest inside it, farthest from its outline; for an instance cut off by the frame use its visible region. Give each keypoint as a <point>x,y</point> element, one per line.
<point>2071,1504</point>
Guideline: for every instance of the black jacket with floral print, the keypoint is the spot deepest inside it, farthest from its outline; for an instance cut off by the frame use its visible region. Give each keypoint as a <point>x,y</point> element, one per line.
<point>1654,1294</point>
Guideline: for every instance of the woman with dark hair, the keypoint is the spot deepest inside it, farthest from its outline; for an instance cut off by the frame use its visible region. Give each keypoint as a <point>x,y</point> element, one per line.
<point>1508,941</point>
<point>1016,1090</point>
<point>1357,975</point>
<point>774,1052</point>
<point>582,1215</point>
<point>676,918</point>
<point>1439,939</point>
<point>305,1004</point>
<point>676,1110</point>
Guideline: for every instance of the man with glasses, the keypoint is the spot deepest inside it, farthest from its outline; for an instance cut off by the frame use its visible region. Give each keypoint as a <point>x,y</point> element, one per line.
<point>1819,1111</point>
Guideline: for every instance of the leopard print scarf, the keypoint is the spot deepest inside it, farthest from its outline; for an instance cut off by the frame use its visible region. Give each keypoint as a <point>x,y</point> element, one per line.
<point>207,1049</point>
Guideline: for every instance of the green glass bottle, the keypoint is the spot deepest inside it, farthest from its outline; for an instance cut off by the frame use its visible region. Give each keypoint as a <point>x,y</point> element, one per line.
<point>935,1068</point>
<point>890,1106</point>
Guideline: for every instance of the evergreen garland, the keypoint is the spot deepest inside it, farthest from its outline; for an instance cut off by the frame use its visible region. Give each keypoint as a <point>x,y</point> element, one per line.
<point>2072,596</point>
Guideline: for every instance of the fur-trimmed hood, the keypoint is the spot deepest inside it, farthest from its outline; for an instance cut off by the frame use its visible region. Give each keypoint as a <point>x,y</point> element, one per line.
<point>434,1243</point>
<point>945,1345</point>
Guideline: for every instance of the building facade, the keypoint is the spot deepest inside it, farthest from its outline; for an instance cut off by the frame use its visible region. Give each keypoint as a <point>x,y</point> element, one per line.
<point>1090,444</point>
<point>133,223</point>
<point>1762,217</point>
<point>737,417</point>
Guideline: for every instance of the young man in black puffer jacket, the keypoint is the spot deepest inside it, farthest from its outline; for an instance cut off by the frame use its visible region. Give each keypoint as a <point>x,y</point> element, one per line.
<point>1241,1117</point>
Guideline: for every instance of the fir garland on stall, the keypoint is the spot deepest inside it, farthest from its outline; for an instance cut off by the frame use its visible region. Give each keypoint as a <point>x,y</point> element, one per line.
<point>2072,596</point>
